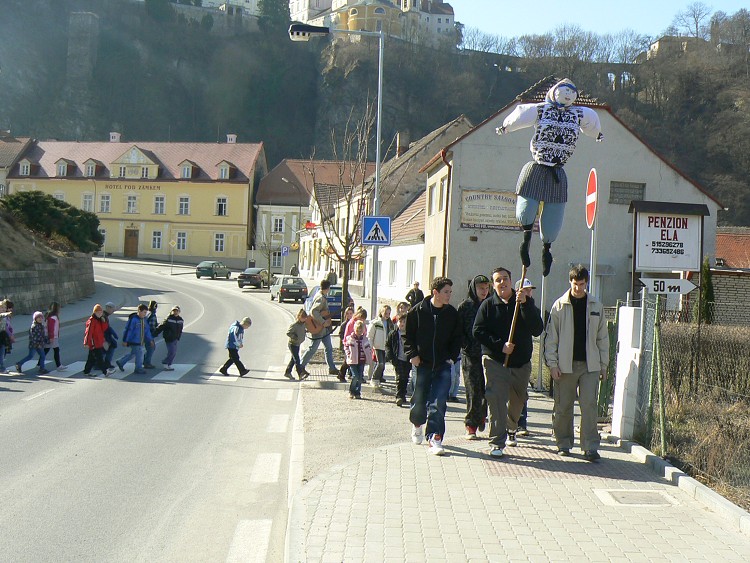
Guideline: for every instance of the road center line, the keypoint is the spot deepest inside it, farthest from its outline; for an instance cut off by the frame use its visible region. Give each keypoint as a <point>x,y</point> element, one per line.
<point>37,395</point>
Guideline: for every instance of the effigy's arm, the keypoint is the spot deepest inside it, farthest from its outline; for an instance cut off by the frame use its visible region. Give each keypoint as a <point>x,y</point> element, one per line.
<point>590,124</point>
<point>525,115</point>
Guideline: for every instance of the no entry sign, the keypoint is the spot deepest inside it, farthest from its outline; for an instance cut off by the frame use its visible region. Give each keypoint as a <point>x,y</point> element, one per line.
<point>591,199</point>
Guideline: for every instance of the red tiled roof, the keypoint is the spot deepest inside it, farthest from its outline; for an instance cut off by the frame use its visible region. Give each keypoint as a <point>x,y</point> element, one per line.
<point>10,149</point>
<point>169,156</point>
<point>408,226</point>
<point>733,246</point>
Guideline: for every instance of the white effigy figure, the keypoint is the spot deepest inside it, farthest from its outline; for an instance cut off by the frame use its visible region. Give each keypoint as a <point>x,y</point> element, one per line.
<point>557,124</point>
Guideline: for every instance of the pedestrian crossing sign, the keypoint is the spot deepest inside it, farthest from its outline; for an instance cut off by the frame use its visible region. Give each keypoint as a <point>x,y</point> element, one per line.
<point>376,231</point>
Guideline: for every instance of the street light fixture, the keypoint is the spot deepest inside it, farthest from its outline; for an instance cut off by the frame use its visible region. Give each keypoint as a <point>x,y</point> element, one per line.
<point>303,32</point>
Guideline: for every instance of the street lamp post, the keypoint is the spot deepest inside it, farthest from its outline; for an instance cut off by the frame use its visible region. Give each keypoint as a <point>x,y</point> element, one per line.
<point>303,32</point>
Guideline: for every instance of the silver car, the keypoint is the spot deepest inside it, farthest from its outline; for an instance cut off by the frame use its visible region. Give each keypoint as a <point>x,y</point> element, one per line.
<point>288,288</point>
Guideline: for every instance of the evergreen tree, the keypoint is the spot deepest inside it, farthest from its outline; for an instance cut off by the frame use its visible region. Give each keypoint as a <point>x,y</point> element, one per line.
<point>274,14</point>
<point>705,303</point>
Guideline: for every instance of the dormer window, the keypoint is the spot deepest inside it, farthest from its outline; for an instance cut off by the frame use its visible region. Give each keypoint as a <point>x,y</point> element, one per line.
<point>90,170</point>
<point>122,171</point>
<point>224,173</point>
<point>62,169</point>
<point>144,171</point>
<point>25,169</point>
<point>187,171</point>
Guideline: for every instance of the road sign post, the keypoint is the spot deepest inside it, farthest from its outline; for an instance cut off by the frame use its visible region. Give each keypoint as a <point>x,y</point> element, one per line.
<point>591,207</point>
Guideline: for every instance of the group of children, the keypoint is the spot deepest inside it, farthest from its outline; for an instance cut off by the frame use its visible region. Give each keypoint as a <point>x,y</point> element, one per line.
<point>44,335</point>
<point>363,348</point>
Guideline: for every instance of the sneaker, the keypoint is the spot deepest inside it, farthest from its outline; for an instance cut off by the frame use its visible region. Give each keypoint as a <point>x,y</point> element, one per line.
<point>511,439</point>
<point>522,431</point>
<point>563,452</point>
<point>139,371</point>
<point>333,371</point>
<point>482,425</point>
<point>352,396</point>
<point>168,368</point>
<point>244,373</point>
<point>224,372</point>
<point>18,368</point>
<point>148,366</point>
<point>496,452</point>
<point>90,374</point>
<point>591,455</point>
<point>453,400</point>
<point>471,433</point>
<point>62,368</point>
<point>288,375</point>
<point>436,445</point>
<point>43,371</point>
<point>399,401</point>
<point>417,434</point>
<point>3,371</point>
<point>109,372</point>
<point>304,375</point>
<point>120,366</point>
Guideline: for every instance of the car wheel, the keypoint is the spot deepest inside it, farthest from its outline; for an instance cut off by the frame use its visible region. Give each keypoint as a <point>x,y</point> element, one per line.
<point>280,299</point>
<point>213,276</point>
<point>229,274</point>
<point>197,276</point>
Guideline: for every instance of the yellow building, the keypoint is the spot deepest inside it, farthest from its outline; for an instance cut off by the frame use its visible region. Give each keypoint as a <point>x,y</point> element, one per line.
<point>181,201</point>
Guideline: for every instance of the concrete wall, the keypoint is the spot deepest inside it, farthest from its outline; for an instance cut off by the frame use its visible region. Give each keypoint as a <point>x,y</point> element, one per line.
<point>71,279</point>
<point>731,288</point>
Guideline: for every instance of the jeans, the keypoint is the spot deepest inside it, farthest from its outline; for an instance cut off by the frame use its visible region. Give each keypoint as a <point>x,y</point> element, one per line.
<point>455,379</point>
<point>134,350</point>
<point>550,222</point>
<point>358,372</point>
<point>2,357</point>
<point>295,361</point>
<point>171,352</point>
<point>314,344</point>
<point>430,398</point>
<point>379,368</point>
<point>149,353</point>
<point>30,355</point>
<point>524,415</point>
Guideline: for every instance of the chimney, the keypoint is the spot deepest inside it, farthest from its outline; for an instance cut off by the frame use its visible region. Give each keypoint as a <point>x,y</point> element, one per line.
<point>402,143</point>
<point>231,138</point>
<point>114,137</point>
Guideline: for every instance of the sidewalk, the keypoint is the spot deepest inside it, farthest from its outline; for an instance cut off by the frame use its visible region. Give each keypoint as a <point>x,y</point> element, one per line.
<point>398,503</point>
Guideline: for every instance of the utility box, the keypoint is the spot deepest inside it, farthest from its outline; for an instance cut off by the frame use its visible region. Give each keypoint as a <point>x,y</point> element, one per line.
<point>626,419</point>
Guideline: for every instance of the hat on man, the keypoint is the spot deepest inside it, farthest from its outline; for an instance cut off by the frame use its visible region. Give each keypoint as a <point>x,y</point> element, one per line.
<point>109,305</point>
<point>526,284</point>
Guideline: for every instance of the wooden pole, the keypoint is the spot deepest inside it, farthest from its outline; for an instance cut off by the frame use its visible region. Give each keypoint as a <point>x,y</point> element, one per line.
<point>515,318</point>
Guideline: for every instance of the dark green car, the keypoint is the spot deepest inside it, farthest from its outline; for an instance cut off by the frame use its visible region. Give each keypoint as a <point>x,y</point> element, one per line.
<point>212,269</point>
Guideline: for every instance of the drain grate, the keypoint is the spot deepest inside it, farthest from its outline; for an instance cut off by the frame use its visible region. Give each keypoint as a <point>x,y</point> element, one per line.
<point>635,497</point>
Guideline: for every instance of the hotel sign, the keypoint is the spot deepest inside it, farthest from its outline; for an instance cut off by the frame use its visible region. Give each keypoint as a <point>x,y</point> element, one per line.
<point>111,186</point>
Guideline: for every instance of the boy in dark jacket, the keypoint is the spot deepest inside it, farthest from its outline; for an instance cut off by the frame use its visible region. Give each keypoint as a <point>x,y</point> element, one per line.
<point>395,353</point>
<point>471,357</point>
<point>171,328</point>
<point>506,386</point>
<point>136,336</point>
<point>432,341</point>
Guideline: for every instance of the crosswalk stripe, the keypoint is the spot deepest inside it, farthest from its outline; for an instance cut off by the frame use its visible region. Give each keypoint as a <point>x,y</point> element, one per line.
<point>278,423</point>
<point>285,394</point>
<point>225,378</point>
<point>250,542</point>
<point>179,371</point>
<point>266,468</point>
<point>74,368</point>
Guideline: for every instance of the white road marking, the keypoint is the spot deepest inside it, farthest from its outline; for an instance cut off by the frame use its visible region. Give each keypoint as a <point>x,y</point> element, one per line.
<point>179,371</point>
<point>37,395</point>
<point>219,377</point>
<point>285,394</point>
<point>250,541</point>
<point>266,468</point>
<point>278,423</point>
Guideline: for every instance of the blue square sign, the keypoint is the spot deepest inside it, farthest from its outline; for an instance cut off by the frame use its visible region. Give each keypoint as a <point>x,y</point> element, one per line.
<point>376,231</point>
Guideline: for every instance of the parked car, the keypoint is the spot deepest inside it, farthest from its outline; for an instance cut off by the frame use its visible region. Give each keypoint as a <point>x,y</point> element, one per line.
<point>288,288</point>
<point>256,277</point>
<point>212,269</point>
<point>334,301</point>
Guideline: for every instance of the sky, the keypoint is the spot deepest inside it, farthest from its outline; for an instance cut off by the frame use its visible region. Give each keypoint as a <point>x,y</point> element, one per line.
<point>513,18</point>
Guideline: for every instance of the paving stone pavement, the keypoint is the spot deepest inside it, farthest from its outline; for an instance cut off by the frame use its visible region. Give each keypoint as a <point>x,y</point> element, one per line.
<point>398,503</point>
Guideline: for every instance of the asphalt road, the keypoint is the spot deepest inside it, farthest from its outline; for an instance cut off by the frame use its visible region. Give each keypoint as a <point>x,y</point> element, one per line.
<point>134,468</point>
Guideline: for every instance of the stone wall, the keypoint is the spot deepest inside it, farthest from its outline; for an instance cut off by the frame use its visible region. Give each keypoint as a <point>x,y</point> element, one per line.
<point>66,281</point>
<point>731,288</point>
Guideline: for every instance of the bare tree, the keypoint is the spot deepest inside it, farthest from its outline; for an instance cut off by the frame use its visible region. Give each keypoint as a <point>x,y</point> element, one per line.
<point>693,20</point>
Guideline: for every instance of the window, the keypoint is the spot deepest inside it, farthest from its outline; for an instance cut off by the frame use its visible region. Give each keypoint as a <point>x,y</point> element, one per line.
<point>132,204</point>
<point>144,172</point>
<point>223,173</point>
<point>62,169</point>
<point>156,240</point>
<point>219,242</point>
<point>181,240</point>
<point>625,192</point>
<point>159,204</point>
<point>187,171</point>
<point>380,271</point>
<point>379,11</point>
<point>59,196</point>
<point>221,206</point>
<point>443,186</point>
<point>433,268</point>
<point>25,169</point>
<point>276,259</point>
<point>104,203</point>
<point>440,20</point>
<point>88,202</point>
<point>411,270</point>
<point>431,200</point>
<point>184,206</point>
<point>392,273</point>
<point>122,171</point>
<point>278,225</point>
<point>90,170</point>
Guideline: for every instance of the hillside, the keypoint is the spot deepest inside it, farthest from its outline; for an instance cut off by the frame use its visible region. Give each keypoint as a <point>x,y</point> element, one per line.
<point>22,248</point>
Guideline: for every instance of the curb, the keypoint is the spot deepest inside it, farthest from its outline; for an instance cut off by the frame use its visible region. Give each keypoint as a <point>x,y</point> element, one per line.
<point>712,500</point>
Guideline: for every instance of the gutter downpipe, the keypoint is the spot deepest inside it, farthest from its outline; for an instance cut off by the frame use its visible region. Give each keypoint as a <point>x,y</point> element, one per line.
<point>443,154</point>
